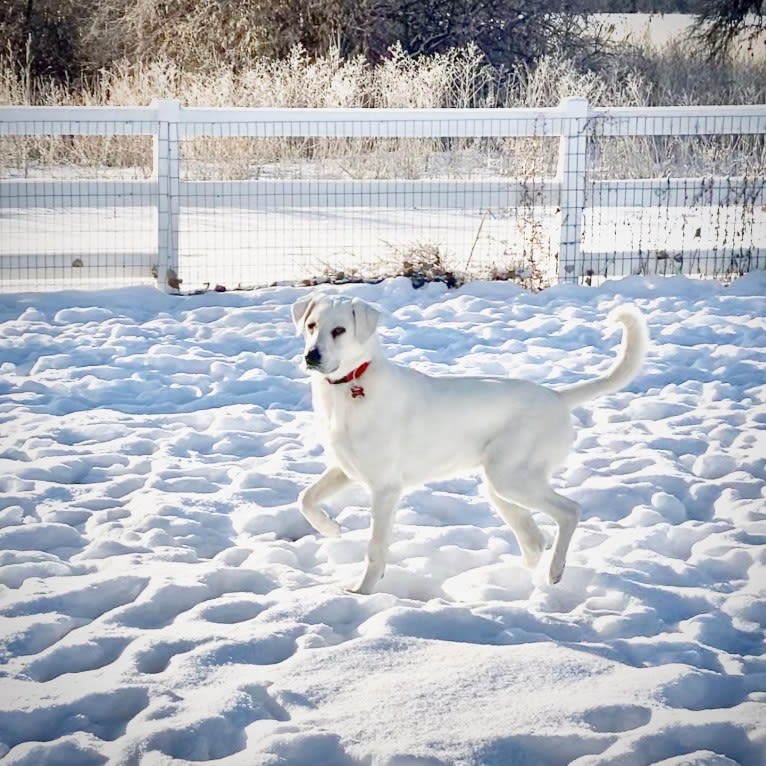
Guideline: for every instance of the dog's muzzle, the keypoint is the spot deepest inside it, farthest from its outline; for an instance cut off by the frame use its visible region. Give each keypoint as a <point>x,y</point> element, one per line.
<point>313,358</point>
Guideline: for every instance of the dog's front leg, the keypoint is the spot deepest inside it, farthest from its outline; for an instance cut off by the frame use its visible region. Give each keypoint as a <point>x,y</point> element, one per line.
<point>384,502</point>
<point>330,482</point>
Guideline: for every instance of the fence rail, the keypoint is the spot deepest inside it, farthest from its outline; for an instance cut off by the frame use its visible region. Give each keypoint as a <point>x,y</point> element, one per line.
<point>287,195</point>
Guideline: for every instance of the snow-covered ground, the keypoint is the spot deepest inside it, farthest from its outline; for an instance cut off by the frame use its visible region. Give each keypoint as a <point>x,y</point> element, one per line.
<point>163,602</point>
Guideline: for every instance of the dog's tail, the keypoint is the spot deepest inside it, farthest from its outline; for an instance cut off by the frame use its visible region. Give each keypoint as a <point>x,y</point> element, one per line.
<point>635,342</point>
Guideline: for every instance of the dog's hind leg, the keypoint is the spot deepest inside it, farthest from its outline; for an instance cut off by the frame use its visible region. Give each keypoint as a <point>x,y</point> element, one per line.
<point>330,482</point>
<point>384,502</point>
<point>566,514</point>
<point>536,494</point>
<point>530,538</point>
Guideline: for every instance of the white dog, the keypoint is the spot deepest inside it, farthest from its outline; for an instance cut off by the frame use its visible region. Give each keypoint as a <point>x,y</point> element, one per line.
<point>391,428</point>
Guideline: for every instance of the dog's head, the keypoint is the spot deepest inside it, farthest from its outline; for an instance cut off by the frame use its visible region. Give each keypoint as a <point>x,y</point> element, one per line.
<point>339,333</point>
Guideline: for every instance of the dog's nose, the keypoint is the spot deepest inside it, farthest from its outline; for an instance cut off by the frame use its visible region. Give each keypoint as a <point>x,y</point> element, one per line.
<point>313,357</point>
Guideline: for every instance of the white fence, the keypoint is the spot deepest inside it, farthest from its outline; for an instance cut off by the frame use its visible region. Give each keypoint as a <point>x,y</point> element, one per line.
<point>255,196</point>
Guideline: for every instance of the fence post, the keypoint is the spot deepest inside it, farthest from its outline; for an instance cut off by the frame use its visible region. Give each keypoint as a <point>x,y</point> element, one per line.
<point>573,147</point>
<point>167,174</point>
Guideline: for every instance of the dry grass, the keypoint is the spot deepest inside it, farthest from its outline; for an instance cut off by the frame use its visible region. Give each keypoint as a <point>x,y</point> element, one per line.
<point>458,78</point>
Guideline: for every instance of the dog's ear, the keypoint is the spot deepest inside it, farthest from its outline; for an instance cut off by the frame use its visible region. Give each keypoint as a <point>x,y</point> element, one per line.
<point>300,310</point>
<point>365,319</point>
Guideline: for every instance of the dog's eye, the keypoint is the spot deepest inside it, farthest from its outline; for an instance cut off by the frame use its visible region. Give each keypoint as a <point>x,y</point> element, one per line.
<point>311,327</point>
<point>338,331</point>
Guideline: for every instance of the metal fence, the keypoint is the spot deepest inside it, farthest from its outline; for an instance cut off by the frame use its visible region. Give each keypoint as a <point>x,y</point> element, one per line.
<point>195,198</point>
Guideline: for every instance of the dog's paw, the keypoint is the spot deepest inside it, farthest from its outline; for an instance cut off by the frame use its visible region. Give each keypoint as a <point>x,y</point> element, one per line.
<point>327,526</point>
<point>530,559</point>
<point>533,549</point>
<point>373,574</point>
<point>359,590</point>
<point>555,573</point>
<point>363,588</point>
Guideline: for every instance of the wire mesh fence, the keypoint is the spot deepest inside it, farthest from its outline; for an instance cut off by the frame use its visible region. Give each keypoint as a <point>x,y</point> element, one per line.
<point>332,195</point>
<point>418,204</point>
<point>77,204</point>
<point>689,198</point>
<point>194,199</point>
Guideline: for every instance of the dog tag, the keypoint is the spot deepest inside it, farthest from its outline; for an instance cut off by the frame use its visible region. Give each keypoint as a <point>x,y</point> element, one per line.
<point>356,392</point>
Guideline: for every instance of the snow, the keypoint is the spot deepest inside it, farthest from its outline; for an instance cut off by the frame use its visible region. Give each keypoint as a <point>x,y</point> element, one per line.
<point>162,601</point>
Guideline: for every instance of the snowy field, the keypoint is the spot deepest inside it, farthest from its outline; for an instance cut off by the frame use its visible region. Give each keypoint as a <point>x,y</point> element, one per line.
<point>163,602</point>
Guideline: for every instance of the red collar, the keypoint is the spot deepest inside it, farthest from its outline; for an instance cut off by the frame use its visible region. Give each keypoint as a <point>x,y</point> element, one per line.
<point>356,391</point>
